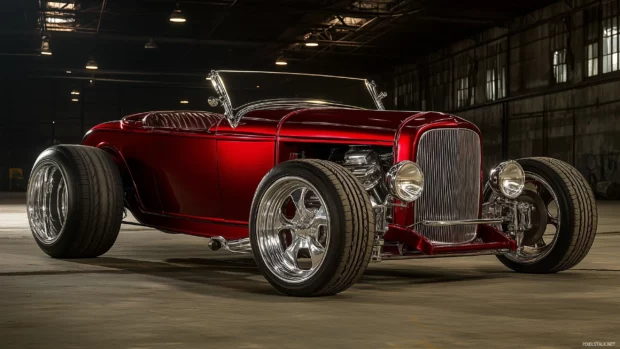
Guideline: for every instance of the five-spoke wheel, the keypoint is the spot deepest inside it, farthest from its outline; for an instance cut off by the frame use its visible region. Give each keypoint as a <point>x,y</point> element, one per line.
<point>311,228</point>
<point>294,225</point>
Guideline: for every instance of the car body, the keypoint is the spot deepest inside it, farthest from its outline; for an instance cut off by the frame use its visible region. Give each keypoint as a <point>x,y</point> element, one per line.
<point>201,181</point>
<point>341,171</point>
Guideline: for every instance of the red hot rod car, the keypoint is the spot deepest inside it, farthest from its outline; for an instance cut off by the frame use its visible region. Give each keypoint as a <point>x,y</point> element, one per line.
<point>312,176</point>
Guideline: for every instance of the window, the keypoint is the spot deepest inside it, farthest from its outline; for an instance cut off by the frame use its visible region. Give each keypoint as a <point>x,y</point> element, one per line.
<point>610,36</point>
<point>592,57</point>
<point>406,88</point>
<point>465,83</point>
<point>496,87</point>
<point>591,26</point>
<point>491,84</point>
<point>559,65</point>
<point>462,92</point>
<point>496,71</point>
<point>558,51</point>
<point>439,86</point>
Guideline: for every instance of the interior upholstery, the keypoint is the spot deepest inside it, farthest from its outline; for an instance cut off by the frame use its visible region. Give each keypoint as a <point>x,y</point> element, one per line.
<point>182,120</point>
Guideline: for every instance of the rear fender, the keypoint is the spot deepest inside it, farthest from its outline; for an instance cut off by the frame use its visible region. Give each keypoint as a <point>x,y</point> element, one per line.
<point>128,182</point>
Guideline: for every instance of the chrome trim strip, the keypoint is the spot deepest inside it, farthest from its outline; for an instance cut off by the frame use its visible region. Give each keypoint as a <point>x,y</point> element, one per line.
<point>292,104</point>
<point>450,160</point>
<point>458,222</point>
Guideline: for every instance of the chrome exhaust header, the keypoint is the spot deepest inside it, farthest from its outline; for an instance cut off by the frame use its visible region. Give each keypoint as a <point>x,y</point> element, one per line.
<point>234,246</point>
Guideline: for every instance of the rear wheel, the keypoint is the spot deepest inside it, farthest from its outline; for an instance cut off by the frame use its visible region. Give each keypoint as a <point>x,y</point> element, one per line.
<point>311,228</point>
<point>564,221</point>
<point>75,201</point>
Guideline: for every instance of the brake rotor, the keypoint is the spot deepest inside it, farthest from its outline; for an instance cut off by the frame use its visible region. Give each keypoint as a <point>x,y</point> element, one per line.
<point>539,217</point>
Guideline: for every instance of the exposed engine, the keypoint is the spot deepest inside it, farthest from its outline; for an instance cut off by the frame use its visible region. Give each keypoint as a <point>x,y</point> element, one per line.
<point>369,165</point>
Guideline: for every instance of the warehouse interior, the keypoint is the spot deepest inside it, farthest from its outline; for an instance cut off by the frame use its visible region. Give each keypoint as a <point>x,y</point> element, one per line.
<point>539,78</point>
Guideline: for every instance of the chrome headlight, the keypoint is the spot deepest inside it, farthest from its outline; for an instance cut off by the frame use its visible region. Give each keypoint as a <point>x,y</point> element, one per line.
<point>405,181</point>
<point>507,179</point>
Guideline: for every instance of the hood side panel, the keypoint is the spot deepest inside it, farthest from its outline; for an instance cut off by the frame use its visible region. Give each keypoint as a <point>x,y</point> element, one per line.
<point>343,124</point>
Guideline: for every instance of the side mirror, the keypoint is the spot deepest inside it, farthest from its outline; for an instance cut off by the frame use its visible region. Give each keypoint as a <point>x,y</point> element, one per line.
<point>214,101</point>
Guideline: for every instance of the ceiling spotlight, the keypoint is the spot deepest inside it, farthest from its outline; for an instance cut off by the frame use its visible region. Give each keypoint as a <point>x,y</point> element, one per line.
<point>281,61</point>
<point>150,45</point>
<point>60,5</point>
<point>311,40</point>
<point>46,50</point>
<point>177,16</point>
<point>75,92</point>
<point>59,20</point>
<point>91,64</point>
<point>184,101</point>
<point>74,99</point>
<point>68,72</point>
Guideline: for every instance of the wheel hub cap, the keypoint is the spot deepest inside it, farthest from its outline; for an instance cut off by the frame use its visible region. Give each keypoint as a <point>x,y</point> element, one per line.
<point>48,203</point>
<point>292,229</point>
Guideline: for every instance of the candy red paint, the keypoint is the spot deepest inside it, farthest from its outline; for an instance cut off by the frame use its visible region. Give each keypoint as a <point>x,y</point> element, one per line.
<point>202,182</point>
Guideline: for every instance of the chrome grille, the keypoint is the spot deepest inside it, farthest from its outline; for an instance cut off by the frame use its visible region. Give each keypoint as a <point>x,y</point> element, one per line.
<point>450,161</point>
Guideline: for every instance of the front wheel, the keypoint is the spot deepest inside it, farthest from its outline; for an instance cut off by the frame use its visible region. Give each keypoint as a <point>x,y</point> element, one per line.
<point>564,220</point>
<point>311,228</point>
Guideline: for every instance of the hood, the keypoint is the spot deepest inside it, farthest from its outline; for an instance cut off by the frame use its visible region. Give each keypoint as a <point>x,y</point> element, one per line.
<point>343,124</point>
<point>334,124</point>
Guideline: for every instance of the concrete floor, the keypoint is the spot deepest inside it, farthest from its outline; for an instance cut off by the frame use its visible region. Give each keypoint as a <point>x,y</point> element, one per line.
<point>154,290</point>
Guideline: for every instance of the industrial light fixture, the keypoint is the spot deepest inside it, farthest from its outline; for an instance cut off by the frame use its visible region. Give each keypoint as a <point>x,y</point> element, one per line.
<point>74,99</point>
<point>311,40</point>
<point>59,20</point>
<point>91,64</point>
<point>75,92</point>
<point>46,50</point>
<point>68,72</point>
<point>150,45</point>
<point>60,5</point>
<point>281,61</point>
<point>177,16</point>
<point>184,101</point>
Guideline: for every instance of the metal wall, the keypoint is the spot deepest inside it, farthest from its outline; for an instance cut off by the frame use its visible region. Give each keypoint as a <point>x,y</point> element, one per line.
<point>538,114</point>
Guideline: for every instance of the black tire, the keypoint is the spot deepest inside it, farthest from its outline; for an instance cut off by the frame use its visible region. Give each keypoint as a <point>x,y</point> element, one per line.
<point>578,219</point>
<point>94,205</point>
<point>352,227</point>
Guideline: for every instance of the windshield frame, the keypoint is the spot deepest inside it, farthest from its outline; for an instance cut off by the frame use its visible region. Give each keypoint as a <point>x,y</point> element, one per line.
<point>234,115</point>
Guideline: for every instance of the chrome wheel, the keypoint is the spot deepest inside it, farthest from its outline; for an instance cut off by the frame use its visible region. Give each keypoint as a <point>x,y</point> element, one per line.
<point>292,229</point>
<point>48,201</point>
<point>548,221</point>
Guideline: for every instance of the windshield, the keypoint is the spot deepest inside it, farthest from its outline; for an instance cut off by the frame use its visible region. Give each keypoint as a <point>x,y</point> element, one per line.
<point>247,88</point>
